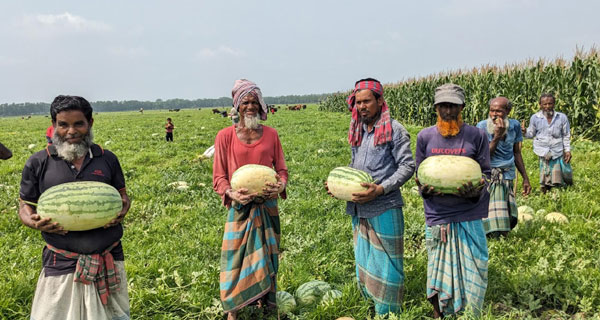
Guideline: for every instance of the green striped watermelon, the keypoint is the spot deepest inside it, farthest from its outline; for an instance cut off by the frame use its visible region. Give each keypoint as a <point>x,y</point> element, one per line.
<point>252,177</point>
<point>330,296</point>
<point>311,291</point>
<point>81,205</point>
<point>285,302</point>
<point>446,173</point>
<point>342,182</point>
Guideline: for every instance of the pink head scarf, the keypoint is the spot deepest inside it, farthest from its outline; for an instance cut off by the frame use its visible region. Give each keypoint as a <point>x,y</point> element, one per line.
<point>383,126</point>
<point>243,87</point>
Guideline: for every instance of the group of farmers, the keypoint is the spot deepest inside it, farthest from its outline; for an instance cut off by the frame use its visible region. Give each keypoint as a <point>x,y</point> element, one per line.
<point>83,275</point>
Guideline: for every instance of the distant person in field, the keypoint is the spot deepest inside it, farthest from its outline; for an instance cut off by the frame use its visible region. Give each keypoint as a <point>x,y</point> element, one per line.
<point>250,250</point>
<point>234,115</point>
<point>505,137</point>
<point>380,146</point>
<point>551,135</point>
<point>456,244</point>
<point>169,126</point>
<point>83,274</point>
<point>5,152</point>
<point>49,134</point>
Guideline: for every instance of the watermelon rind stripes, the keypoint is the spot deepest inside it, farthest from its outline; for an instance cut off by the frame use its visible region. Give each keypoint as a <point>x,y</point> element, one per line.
<point>81,205</point>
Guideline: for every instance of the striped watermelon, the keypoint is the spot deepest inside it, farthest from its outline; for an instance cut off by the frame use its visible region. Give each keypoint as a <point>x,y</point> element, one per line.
<point>330,296</point>
<point>81,205</point>
<point>311,291</point>
<point>446,173</point>
<point>344,181</point>
<point>252,177</point>
<point>285,302</point>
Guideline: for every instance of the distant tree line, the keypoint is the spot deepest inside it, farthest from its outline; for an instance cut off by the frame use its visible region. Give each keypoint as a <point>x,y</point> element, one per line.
<point>28,108</point>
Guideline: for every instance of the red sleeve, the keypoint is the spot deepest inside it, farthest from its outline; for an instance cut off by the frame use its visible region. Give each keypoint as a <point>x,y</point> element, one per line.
<point>279,164</point>
<point>220,174</point>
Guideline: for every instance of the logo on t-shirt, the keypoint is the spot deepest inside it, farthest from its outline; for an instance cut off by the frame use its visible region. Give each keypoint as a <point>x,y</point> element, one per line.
<point>455,151</point>
<point>98,172</point>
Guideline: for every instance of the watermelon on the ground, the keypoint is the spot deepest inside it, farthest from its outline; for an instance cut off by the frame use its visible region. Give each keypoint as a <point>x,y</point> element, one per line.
<point>342,182</point>
<point>524,213</point>
<point>556,217</point>
<point>81,205</point>
<point>311,291</point>
<point>253,177</point>
<point>285,302</point>
<point>330,296</point>
<point>446,173</point>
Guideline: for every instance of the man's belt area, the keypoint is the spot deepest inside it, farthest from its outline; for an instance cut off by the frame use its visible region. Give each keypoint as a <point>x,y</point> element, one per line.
<point>98,268</point>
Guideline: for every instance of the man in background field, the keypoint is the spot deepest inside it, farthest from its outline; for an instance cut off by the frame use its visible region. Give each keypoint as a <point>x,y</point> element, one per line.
<point>552,143</point>
<point>5,153</point>
<point>456,245</point>
<point>83,275</point>
<point>504,136</point>
<point>380,146</point>
<point>250,249</point>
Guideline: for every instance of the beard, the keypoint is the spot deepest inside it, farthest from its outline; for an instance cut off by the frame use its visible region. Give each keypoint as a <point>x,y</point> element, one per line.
<point>449,128</point>
<point>548,113</point>
<point>490,126</point>
<point>251,122</point>
<point>72,151</point>
<point>370,120</point>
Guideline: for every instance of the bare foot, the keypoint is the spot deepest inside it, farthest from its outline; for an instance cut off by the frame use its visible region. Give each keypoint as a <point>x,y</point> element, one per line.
<point>232,316</point>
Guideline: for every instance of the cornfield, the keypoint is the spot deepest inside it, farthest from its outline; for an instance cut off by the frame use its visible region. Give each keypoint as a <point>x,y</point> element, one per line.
<point>575,84</point>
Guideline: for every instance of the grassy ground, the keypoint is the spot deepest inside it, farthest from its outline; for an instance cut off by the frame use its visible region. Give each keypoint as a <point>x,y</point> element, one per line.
<point>172,238</point>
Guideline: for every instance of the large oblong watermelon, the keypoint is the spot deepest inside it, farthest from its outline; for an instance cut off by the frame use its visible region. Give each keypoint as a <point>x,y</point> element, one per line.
<point>446,173</point>
<point>342,182</point>
<point>253,177</point>
<point>81,205</point>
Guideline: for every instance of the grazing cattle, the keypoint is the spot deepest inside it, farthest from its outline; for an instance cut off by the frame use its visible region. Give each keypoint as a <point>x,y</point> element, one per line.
<point>215,110</point>
<point>224,114</point>
<point>176,110</point>
<point>297,107</point>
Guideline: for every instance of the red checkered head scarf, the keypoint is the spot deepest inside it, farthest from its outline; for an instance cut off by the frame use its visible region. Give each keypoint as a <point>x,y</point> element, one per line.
<point>383,126</point>
<point>243,87</point>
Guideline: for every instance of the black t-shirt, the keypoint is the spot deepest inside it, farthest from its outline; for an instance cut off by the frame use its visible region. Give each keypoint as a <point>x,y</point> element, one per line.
<point>46,169</point>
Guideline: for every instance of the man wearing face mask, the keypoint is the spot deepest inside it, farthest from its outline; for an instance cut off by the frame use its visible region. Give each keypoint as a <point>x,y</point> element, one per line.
<point>83,275</point>
<point>551,135</point>
<point>504,136</point>
<point>456,244</point>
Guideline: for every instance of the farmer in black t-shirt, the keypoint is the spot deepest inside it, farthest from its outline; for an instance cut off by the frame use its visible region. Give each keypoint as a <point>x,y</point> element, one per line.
<point>79,279</point>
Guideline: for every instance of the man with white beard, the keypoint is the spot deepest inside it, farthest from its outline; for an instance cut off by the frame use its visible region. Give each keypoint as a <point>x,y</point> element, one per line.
<point>79,279</point>
<point>504,136</point>
<point>250,248</point>
<point>552,143</point>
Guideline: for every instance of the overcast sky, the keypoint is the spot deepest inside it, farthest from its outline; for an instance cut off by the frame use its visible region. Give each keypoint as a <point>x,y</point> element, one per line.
<point>148,50</point>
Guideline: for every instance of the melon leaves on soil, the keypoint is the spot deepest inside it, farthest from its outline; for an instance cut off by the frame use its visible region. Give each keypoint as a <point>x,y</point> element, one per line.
<point>446,173</point>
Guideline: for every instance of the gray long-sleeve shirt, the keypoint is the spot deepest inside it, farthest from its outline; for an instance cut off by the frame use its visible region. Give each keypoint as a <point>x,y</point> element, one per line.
<point>553,138</point>
<point>390,164</point>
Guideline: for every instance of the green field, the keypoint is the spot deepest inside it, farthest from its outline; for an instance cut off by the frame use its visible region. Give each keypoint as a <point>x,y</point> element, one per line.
<point>172,237</point>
